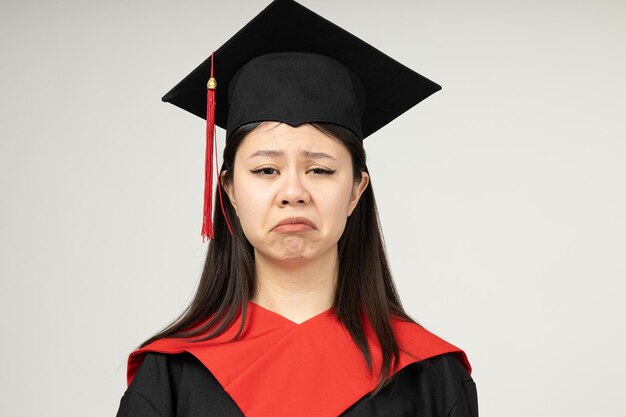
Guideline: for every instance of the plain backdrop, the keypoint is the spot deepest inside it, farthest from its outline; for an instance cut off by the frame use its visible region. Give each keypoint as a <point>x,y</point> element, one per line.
<point>502,197</point>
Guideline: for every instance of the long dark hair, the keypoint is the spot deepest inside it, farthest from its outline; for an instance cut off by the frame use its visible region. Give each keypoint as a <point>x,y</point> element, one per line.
<point>364,282</point>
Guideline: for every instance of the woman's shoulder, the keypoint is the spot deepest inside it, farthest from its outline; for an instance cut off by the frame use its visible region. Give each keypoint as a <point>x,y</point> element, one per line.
<point>173,385</point>
<point>441,376</point>
<point>416,340</point>
<point>148,393</point>
<point>438,386</point>
<point>443,383</point>
<point>169,372</point>
<point>447,367</point>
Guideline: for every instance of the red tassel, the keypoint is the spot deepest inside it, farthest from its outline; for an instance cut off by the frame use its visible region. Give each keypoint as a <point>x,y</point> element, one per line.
<point>211,147</point>
<point>207,218</point>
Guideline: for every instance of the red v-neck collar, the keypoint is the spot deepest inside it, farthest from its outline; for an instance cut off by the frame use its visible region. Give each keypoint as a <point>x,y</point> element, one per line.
<point>280,368</point>
<point>263,310</point>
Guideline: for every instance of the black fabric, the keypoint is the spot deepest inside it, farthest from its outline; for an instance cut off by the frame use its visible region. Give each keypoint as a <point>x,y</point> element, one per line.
<point>286,26</point>
<point>179,385</point>
<point>295,88</point>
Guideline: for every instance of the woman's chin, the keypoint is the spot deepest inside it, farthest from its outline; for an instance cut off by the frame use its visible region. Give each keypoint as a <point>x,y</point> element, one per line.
<point>292,249</point>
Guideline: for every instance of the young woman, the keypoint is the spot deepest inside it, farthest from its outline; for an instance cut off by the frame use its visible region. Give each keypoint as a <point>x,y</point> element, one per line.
<point>296,313</point>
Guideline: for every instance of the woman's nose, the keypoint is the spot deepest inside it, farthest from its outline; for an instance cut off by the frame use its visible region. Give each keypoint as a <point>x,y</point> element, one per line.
<point>292,190</point>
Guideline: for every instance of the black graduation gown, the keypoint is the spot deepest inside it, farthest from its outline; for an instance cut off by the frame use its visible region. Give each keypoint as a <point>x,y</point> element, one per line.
<point>168,385</point>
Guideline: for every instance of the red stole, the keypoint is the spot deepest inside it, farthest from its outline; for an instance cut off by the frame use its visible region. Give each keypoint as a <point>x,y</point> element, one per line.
<point>280,368</point>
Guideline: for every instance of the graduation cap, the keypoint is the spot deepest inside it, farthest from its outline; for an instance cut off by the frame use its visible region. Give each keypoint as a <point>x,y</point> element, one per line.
<point>290,65</point>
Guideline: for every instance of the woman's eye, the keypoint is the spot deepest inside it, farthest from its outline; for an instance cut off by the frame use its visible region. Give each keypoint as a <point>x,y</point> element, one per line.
<point>264,171</point>
<point>322,171</point>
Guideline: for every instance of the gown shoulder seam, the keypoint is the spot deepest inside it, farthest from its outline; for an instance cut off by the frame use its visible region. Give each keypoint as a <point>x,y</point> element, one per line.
<point>143,397</point>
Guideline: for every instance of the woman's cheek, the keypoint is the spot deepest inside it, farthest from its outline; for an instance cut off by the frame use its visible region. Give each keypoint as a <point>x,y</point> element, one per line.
<point>252,207</point>
<point>336,208</point>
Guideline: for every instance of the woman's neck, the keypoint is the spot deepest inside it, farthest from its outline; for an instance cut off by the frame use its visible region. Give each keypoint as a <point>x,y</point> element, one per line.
<point>297,290</point>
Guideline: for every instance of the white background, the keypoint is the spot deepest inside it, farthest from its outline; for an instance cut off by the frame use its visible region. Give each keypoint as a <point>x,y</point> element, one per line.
<point>502,197</point>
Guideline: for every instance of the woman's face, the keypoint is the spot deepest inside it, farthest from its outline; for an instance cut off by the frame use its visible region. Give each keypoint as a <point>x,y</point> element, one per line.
<point>298,176</point>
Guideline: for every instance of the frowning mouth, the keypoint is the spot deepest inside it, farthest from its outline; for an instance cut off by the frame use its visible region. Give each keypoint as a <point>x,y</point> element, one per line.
<point>294,224</point>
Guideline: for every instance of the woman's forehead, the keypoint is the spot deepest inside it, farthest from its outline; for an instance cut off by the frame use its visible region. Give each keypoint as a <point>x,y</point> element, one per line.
<point>277,140</point>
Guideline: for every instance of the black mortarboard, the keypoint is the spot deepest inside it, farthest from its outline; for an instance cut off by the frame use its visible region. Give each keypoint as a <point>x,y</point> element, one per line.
<point>291,65</point>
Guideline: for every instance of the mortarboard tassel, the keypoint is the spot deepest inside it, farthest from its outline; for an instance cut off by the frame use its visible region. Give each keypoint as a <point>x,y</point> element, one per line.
<point>207,219</point>
<point>211,147</point>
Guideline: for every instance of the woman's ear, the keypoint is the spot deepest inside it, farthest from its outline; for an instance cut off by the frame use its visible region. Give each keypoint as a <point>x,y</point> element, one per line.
<point>357,191</point>
<point>228,187</point>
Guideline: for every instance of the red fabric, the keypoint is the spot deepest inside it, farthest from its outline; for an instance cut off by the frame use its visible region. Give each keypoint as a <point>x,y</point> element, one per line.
<point>207,219</point>
<point>210,151</point>
<point>280,368</point>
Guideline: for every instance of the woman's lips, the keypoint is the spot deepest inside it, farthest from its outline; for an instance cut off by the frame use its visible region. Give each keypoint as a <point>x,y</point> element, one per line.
<point>293,227</point>
<point>294,224</point>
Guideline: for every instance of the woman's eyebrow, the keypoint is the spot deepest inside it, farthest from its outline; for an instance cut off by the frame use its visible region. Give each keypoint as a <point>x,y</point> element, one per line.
<point>276,154</point>
<point>271,154</point>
